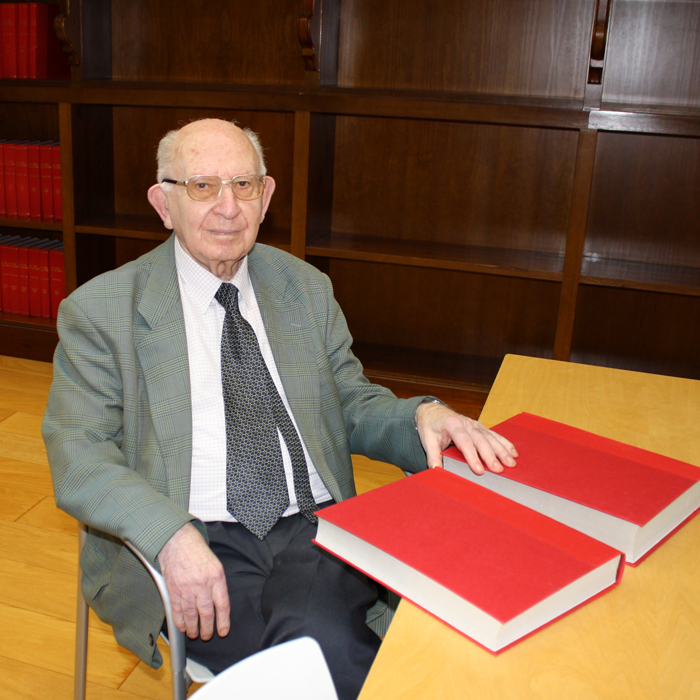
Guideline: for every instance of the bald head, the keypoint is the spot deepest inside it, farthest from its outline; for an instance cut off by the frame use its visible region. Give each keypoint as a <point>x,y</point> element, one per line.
<point>179,145</point>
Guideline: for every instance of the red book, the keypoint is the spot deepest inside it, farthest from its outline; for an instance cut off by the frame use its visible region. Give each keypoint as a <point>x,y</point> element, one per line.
<point>22,40</point>
<point>629,498</point>
<point>38,264</point>
<point>33,52</point>
<point>57,280</point>
<point>8,152</point>
<point>8,18</point>
<point>4,283</point>
<point>23,275</point>
<point>9,273</point>
<point>56,180</point>
<point>46,176</point>
<point>34,171</point>
<point>22,180</point>
<point>3,210</point>
<point>492,569</point>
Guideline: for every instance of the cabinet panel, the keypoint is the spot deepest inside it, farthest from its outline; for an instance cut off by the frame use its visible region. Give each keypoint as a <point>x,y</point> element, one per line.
<point>495,187</point>
<point>197,41</point>
<point>499,47</point>
<point>445,312</point>
<point>653,53</point>
<point>645,211</point>
<point>638,330</point>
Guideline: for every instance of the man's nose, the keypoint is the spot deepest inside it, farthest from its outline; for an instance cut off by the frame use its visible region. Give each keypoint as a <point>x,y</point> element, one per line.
<point>228,204</point>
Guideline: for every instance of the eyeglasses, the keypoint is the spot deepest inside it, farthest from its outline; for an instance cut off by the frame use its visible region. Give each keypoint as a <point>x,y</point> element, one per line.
<point>205,188</point>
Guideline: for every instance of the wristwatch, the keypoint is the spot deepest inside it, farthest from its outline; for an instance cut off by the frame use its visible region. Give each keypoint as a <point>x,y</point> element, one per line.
<point>427,399</point>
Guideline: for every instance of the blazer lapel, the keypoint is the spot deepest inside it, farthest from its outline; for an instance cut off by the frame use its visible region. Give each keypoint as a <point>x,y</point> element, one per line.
<point>161,347</point>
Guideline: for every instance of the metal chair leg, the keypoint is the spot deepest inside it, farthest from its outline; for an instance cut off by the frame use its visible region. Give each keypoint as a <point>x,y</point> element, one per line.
<point>81,631</point>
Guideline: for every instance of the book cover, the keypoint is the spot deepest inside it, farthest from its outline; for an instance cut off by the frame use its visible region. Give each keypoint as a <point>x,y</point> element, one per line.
<point>8,152</point>
<point>22,40</point>
<point>9,274</point>
<point>35,24</point>
<point>38,264</point>
<point>57,279</point>
<point>22,180</point>
<point>629,498</point>
<point>8,23</point>
<point>46,178</point>
<point>34,173</point>
<point>494,570</point>
<point>56,181</point>
<point>3,210</point>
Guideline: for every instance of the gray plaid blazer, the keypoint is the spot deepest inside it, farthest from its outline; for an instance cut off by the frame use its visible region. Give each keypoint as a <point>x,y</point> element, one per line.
<point>118,421</point>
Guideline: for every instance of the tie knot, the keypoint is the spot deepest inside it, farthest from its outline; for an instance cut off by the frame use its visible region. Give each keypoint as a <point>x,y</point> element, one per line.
<point>227,296</point>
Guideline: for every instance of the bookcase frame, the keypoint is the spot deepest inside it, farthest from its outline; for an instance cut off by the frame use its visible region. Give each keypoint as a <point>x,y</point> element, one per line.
<point>477,178</point>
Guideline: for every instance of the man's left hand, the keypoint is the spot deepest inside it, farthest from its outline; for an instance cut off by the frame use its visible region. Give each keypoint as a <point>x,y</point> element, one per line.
<point>439,426</point>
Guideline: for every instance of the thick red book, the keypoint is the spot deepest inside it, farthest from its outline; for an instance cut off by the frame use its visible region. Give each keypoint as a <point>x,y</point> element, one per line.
<point>8,22</point>
<point>56,181</point>
<point>34,170</point>
<point>57,279</point>
<point>492,569</point>
<point>9,275</point>
<point>8,152</point>
<point>629,498</point>
<point>23,274</point>
<point>38,264</point>
<point>22,180</point>
<point>34,22</point>
<point>22,40</point>
<point>46,177</point>
<point>3,210</point>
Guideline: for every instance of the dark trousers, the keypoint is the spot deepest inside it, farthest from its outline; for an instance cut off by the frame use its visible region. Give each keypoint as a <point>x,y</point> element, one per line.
<point>283,588</point>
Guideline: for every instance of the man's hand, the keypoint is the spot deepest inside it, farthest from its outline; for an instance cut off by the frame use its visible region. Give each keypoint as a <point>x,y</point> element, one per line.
<point>196,583</point>
<point>438,426</point>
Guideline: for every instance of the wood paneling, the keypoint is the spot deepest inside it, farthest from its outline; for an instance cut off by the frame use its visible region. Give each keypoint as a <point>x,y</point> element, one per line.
<point>653,53</point>
<point>197,41</point>
<point>467,184</point>
<point>486,46</point>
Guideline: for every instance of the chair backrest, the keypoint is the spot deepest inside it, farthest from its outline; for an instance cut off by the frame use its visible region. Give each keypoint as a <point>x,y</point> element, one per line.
<point>294,670</point>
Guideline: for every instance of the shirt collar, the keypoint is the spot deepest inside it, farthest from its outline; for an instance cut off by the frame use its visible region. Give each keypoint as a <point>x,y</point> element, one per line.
<point>202,285</point>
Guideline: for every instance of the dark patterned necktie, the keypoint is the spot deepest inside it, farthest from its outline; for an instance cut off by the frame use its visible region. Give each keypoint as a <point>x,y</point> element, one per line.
<point>256,489</point>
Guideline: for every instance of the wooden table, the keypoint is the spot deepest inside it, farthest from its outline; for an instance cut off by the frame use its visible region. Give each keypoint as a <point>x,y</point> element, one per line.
<point>639,641</point>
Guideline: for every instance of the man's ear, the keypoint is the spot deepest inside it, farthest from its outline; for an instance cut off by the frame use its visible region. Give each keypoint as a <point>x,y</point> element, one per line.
<point>267,195</point>
<point>158,200</point>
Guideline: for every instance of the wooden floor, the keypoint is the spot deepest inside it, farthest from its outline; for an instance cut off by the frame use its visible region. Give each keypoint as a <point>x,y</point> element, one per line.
<point>38,563</point>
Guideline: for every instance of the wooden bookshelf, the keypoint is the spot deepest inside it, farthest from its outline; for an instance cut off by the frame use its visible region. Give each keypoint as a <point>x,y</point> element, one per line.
<point>477,178</point>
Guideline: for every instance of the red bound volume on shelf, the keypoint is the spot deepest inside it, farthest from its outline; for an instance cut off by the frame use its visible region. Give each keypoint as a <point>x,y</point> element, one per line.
<point>56,181</point>
<point>39,297</point>
<point>22,40</point>
<point>494,570</point>
<point>46,176</point>
<point>22,180</point>
<point>10,180</point>
<point>34,170</point>
<point>57,280</point>
<point>34,50</point>
<point>9,274</point>
<point>8,18</point>
<point>3,210</point>
<point>629,498</point>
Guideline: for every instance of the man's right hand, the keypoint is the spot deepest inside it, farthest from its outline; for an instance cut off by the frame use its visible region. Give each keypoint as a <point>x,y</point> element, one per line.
<point>196,583</point>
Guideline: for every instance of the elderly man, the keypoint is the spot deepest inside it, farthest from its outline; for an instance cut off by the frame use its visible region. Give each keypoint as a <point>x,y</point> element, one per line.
<point>205,403</point>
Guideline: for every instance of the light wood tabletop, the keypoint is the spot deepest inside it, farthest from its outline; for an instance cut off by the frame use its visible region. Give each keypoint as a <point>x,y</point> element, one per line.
<point>642,639</point>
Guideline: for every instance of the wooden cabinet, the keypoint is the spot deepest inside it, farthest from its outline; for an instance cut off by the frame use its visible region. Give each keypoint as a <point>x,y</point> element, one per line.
<point>477,178</point>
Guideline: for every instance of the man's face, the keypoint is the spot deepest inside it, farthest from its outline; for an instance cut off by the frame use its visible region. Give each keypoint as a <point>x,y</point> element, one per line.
<point>218,234</point>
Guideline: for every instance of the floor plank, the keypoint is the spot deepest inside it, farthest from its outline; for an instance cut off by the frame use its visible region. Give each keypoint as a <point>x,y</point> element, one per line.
<point>52,640</point>
<point>47,516</point>
<point>15,503</point>
<point>27,681</point>
<point>18,474</point>
<point>26,544</point>
<point>20,423</point>
<point>24,448</point>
